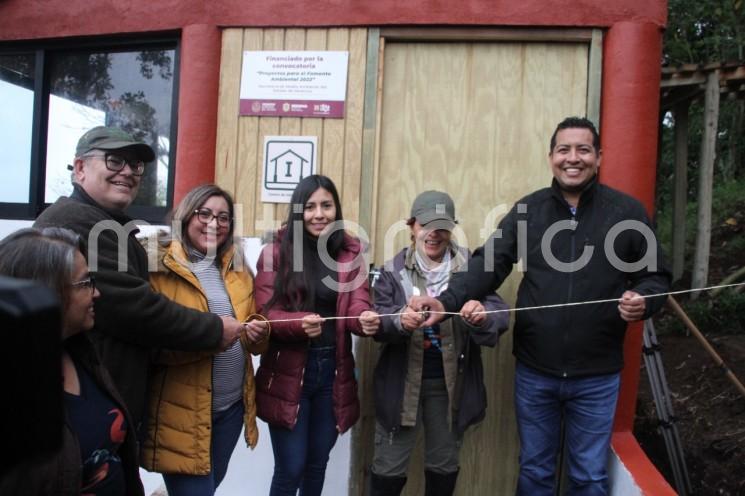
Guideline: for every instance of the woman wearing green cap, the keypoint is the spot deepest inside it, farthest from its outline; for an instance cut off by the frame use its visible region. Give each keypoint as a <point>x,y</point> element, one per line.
<point>430,377</point>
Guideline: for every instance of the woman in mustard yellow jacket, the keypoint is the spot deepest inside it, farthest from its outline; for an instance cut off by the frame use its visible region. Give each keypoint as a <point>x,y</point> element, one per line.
<point>199,401</point>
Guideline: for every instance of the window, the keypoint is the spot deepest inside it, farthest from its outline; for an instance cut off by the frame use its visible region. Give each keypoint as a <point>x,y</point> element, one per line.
<point>51,94</point>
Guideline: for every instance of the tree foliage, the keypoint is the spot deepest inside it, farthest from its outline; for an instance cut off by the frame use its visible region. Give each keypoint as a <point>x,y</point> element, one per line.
<point>702,31</point>
<point>151,59</point>
<point>705,32</point>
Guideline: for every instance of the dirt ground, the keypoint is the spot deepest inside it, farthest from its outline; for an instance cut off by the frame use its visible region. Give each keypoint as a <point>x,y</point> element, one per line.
<point>710,411</point>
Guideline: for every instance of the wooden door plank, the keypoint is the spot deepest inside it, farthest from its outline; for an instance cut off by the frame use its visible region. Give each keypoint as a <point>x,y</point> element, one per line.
<point>227,111</point>
<point>355,107</point>
<point>315,39</point>
<point>332,162</point>
<point>249,167</point>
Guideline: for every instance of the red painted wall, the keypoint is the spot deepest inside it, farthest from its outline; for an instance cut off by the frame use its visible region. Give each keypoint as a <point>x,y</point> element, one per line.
<point>27,19</point>
<point>646,476</point>
<point>197,107</point>
<point>629,123</point>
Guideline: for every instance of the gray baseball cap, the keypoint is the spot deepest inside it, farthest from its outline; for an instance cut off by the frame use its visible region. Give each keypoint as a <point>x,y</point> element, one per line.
<point>432,206</point>
<point>112,138</point>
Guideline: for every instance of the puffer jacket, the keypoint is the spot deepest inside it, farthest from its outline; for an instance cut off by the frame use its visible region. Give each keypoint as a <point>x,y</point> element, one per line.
<point>398,373</point>
<point>179,420</point>
<point>279,378</point>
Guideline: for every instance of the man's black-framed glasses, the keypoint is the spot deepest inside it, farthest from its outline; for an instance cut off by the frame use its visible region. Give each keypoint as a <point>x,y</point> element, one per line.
<point>115,163</point>
<point>87,283</point>
<point>205,216</point>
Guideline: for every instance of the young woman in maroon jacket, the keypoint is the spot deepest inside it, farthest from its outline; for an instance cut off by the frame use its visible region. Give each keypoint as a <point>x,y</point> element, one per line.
<point>306,388</point>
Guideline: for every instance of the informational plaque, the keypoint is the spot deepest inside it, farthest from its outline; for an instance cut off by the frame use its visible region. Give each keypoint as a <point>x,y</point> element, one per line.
<point>287,160</point>
<point>294,84</point>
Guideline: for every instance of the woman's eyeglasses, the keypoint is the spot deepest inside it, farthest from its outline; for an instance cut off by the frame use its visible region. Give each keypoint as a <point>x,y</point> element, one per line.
<point>87,283</point>
<point>205,216</point>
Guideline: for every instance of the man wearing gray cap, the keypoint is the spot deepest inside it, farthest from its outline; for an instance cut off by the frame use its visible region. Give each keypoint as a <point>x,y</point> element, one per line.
<point>131,320</point>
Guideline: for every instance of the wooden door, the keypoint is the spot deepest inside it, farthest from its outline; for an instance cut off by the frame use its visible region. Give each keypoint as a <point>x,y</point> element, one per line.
<point>473,119</point>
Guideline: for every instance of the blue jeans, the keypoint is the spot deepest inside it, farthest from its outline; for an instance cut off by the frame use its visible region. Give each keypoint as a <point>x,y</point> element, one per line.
<point>587,405</point>
<point>226,428</point>
<point>301,454</point>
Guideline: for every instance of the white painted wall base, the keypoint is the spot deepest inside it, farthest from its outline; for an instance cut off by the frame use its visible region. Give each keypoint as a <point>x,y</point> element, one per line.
<point>250,472</point>
<point>621,481</point>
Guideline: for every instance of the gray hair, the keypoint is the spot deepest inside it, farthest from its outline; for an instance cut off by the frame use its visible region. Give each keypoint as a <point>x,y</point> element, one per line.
<point>44,255</point>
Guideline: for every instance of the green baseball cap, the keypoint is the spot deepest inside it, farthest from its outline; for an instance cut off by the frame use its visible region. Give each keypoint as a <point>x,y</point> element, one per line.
<point>432,206</point>
<point>112,138</point>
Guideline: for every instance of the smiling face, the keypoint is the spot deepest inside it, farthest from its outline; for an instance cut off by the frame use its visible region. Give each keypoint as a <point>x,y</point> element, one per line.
<point>430,242</point>
<point>319,211</point>
<point>79,314</point>
<point>112,190</point>
<point>574,161</point>
<point>206,238</point>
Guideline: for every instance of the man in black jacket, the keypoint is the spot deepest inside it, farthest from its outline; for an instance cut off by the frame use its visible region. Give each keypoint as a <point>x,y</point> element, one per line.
<point>131,320</point>
<point>576,241</point>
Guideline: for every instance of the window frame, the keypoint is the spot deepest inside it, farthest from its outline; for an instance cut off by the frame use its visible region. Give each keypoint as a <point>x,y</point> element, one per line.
<point>43,50</point>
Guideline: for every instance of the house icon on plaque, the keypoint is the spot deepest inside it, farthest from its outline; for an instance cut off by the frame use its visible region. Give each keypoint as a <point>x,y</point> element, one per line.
<point>286,170</point>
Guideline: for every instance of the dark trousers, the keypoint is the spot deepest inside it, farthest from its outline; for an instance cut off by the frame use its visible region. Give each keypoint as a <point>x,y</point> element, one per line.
<point>441,444</point>
<point>226,429</point>
<point>301,454</point>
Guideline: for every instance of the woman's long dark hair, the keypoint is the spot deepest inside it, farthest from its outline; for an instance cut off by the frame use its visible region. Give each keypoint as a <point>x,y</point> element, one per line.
<point>295,289</point>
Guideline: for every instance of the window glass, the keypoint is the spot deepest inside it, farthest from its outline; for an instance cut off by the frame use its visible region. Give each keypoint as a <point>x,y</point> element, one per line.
<point>16,120</point>
<point>132,90</point>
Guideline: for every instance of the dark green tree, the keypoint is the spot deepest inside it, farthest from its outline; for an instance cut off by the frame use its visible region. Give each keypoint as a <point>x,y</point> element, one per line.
<point>704,32</point>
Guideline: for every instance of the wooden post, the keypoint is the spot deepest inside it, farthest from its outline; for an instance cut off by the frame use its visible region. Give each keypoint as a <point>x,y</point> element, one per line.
<point>629,121</point>
<point>706,179</point>
<point>199,86</point>
<point>680,191</point>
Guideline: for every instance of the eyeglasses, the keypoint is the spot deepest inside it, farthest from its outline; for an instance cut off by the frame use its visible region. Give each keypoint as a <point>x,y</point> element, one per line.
<point>205,216</point>
<point>87,283</point>
<point>116,163</point>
